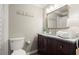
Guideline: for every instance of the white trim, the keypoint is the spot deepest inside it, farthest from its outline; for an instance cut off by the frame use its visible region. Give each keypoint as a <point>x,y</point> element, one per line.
<point>32,52</point>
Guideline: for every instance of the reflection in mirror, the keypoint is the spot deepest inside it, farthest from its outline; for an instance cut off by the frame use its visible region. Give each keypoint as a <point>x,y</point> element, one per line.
<point>57,20</point>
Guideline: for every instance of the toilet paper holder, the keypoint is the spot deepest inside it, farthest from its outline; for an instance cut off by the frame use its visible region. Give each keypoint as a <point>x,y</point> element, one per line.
<point>28,42</point>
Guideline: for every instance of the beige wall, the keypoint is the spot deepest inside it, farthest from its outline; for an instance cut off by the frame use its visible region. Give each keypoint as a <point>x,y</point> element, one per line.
<point>25,26</point>
<point>4,35</point>
<point>73,21</point>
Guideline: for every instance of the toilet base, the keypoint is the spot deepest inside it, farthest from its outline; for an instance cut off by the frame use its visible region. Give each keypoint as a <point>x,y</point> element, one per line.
<point>19,52</point>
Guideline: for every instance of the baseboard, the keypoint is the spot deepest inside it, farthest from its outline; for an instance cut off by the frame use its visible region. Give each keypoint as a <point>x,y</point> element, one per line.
<point>32,52</point>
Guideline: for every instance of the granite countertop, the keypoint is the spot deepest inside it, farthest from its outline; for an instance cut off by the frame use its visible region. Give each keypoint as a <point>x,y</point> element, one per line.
<point>53,36</point>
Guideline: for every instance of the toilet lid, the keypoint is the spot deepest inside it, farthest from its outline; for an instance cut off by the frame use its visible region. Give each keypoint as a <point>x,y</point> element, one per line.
<point>19,52</point>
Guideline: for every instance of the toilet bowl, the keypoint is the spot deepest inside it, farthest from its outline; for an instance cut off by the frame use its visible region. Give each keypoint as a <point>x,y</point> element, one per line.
<point>16,45</point>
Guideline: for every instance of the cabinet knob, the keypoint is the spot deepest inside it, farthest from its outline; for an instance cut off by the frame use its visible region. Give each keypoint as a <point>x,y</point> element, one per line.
<point>61,46</point>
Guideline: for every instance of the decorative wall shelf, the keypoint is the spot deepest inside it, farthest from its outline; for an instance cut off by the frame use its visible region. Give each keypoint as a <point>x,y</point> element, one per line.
<point>23,13</point>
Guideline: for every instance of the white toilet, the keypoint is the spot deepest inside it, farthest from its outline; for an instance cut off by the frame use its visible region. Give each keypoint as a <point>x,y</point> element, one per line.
<point>16,45</point>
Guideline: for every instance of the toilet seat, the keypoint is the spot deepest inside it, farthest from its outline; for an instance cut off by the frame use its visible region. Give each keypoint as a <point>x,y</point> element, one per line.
<point>19,52</point>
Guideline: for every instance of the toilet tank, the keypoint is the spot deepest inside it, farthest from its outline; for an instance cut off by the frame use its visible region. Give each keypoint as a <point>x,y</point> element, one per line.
<point>16,43</point>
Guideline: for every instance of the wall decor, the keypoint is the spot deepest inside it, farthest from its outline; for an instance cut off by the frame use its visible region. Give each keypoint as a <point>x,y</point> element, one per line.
<point>23,13</point>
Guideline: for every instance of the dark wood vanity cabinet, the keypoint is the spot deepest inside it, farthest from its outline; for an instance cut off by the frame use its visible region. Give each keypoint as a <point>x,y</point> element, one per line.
<point>55,46</point>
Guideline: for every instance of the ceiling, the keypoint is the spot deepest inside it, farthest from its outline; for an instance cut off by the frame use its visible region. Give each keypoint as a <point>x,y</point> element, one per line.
<point>41,5</point>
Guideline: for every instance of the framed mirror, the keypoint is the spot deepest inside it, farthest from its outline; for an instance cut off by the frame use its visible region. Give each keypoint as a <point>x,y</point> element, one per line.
<point>57,19</point>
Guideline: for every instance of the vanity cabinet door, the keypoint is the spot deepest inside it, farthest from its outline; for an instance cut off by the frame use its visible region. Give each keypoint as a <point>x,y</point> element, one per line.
<point>65,48</point>
<point>51,46</point>
<point>42,45</point>
<point>62,48</point>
